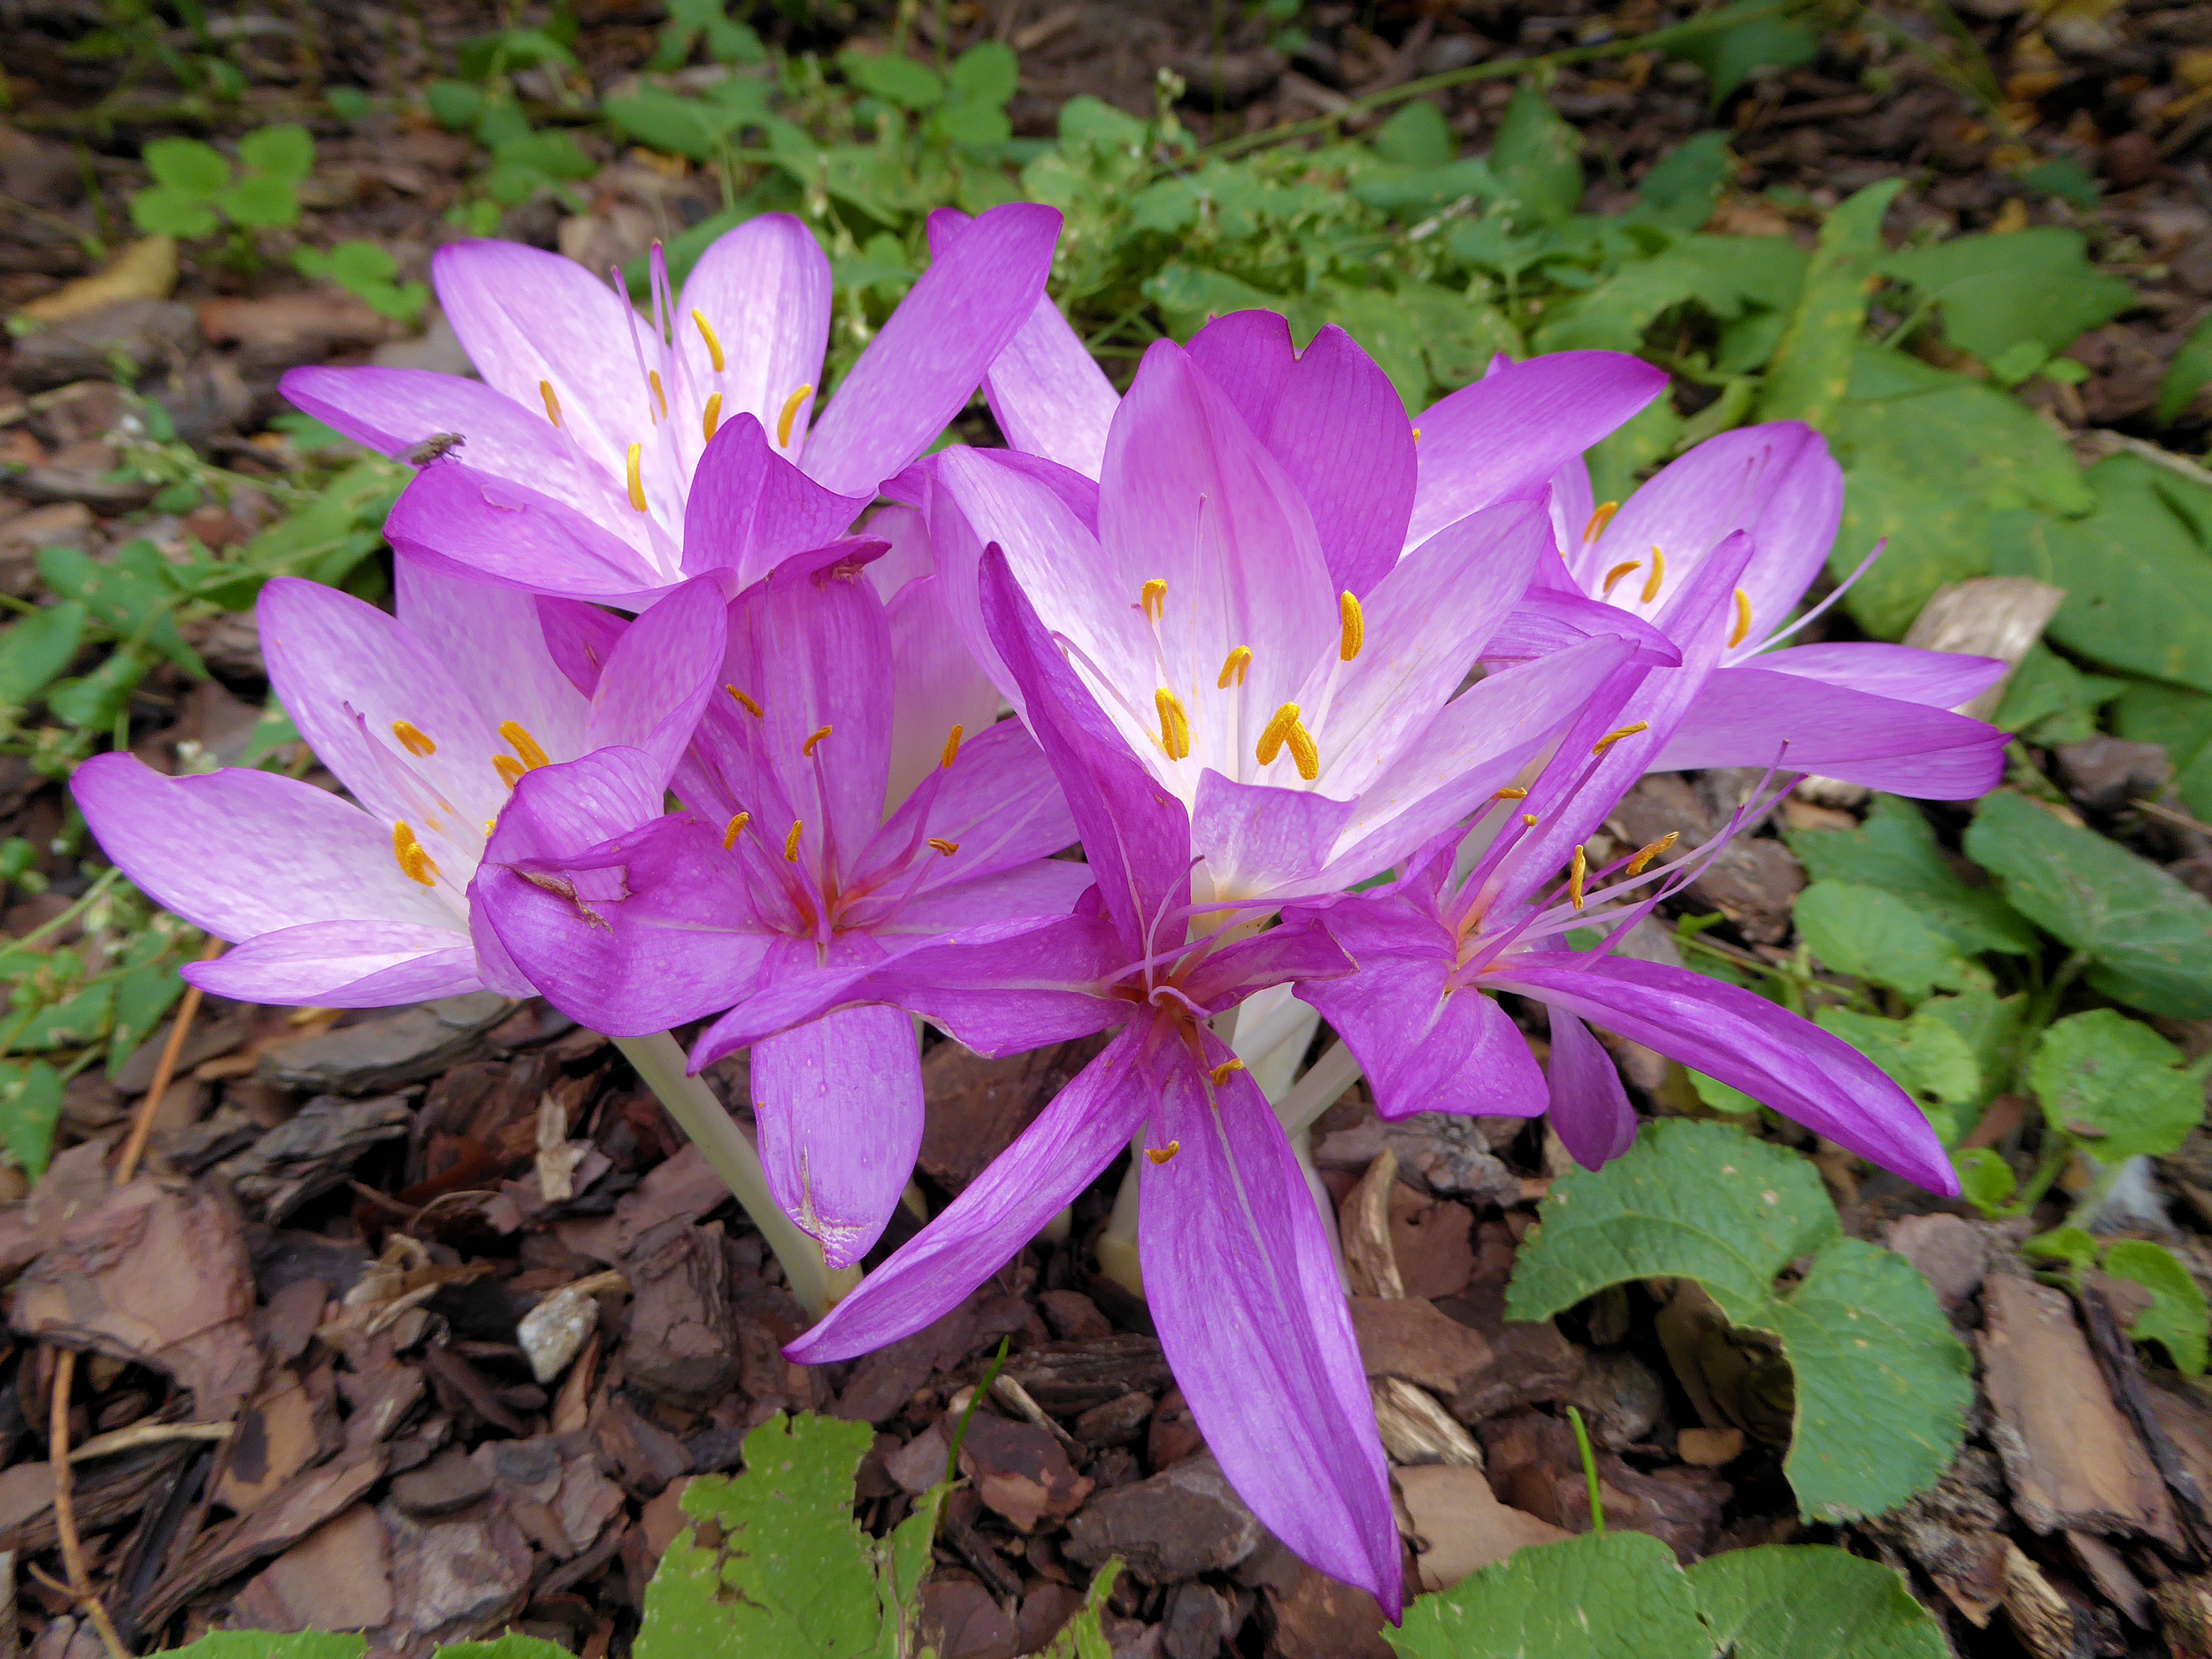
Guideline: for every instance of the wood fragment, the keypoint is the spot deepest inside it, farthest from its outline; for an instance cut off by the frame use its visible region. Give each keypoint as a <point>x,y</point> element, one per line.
<point>1370,1261</point>
<point>1986,615</point>
<point>1416,1430</point>
<point>1020,1399</point>
<point>138,1434</point>
<point>163,1070</point>
<point>2040,1614</point>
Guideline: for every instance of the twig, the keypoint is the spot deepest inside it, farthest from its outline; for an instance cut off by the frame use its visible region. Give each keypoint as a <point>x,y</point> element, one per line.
<point>142,1126</point>
<point>2172,815</point>
<point>138,1434</point>
<point>65,1506</point>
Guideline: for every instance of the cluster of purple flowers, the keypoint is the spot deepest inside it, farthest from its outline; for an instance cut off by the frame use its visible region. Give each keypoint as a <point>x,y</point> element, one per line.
<point>1331,699</point>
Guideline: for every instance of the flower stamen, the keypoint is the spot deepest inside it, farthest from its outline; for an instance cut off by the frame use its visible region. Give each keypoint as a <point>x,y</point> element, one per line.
<point>412,738</point>
<point>814,737</point>
<point>744,702</point>
<point>1152,598</point>
<point>637,479</point>
<point>653,378</point>
<point>1644,855</point>
<point>1511,793</point>
<point>711,418</point>
<point>1529,819</point>
<point>1658,574</point>
<point>1743,619</point>
<point>1160,1154</point>
<point>791,413</point>
<point>1284,728</point>
<point>525,745</point>
<point>791,842</point>
<point>1174,723</point>
<point>414,863</point>
<point>1613,577</point>
<point>737,823</point>
<point>943,846</point>
<point>1354,623</point>
<point>509,768</point>
<point>1599,519</point>
<point>1575,875</point>
<point>1222,1072</point>
<point>1234,667</point>
<point>1611,738</point>
<point>706,333</point>
<point>952,751</point>
<point>552,403</point>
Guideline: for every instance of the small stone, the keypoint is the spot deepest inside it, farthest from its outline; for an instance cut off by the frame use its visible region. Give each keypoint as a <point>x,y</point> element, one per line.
<point>1200,1621</point>
<point>961,1621</point>
<point>1174,1434</point>
<point>1182,1522</point>
<point>553,1332</point>
<point>450,1481</point>
<point>1116,1422</point>
<point>1072,1316</point>
<point>1406,1337</point>
<point>1708,1448</point>
<point>1951,1253</point>
<point>1622,1398</point>
<point>1020,1471</point>
<point>2105,773</point>
<point>1308,1615</point>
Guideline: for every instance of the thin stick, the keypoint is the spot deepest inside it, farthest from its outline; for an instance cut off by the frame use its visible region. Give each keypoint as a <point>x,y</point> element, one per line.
<point>163,1072</point>
<point>65,1505</point>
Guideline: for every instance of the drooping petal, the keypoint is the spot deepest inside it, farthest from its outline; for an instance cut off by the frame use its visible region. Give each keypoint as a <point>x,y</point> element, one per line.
<point>1589,1108</point>
<point>1549,619</point>
<point>1502,438</point>
<point>492,640</point>
<point>1747,1042</point>
<point>342,965</point>
<point>926,361</point>
<point>750,507</point>
<point>1744,717</point>
<point>498,530</point>
<point>935,683</point>
<point>1333,422</point>
<point>1939,679</point>
<point>1298,948</point>
<point>1071,1143</point>
<point>763,289</point>
<point>838,1102</point>
<point>660,676</point>
<point>1045,391</point>
<point>1252,1317</point>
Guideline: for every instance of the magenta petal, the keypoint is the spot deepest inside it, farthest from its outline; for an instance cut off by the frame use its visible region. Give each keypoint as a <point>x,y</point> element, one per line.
<point>838,1102</point>
<point>1749,1044</point>
<point>342,965</point>
<point>660,674</point>
<point>1297,949</point>
<point>1939,679</point>
<point>498,530</point>
<point>1589,1108</point>
<point>1549,619</point>
<point>1050,1163</point>
<point>579,638</point>
<point>1241,1282</point>
<point>1000,804</point>
<point>1261,841</point>
<point>748,508</point>
<point>926,361</point>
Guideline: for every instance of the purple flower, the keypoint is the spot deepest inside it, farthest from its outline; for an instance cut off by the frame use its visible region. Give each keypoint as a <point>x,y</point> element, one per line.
<point>430,721</point>
<point>608,457</point>
<point>1237,1266</point>
<point>840,815</point>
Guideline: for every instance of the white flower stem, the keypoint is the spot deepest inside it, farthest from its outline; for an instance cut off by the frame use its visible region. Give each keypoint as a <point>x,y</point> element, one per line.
<point>659,1060</point>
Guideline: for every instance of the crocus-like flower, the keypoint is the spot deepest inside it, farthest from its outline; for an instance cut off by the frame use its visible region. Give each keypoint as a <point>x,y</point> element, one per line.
<point>608,457</point>
<point>1428,946</point>
<point>1869,713</point>
<point>1231,594</point>
<point>430,720</point>
<point>1237,1268</point>
<point>831,824</point>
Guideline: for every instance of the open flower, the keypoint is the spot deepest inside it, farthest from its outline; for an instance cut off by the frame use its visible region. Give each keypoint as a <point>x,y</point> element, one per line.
<point>607,456</point>
<point>430,721</point>
<point>831,824</point>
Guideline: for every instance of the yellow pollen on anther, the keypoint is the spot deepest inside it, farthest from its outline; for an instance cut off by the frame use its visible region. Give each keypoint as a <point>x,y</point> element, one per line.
<point>711,418</point>
<point>790,413</point>
<point>1416,434</point>
<point>552,403</point>
<point>1644,855</point>
<point>1599,519</point>
<point>412,738</point>
<point>706,333</point>
<point>1529,819</point>
<point>1234,667</point>
<point>1284,728</point>
<point>1160,1154</point>
<point>1612,576</point>
<point>791,842</point>
<point>1222,1072</point>
<point>637,479</point>
<point>1743,619</point>
<point>744,702</point>
<point>1658,574</point>
<point>660,397</point>
<point>1575,874</point>
<point>1510,793</point>
<point>1174,723</point>
<point>737,823</point>
<point>1354,623</point>
<point>524,745</point>
<point>952,751</point>
<point>509,768</point>
<point>944,846</point>
<point>813,737</point>
<point>490,823</point>
<point>414,863</point>
<point>1611,738</point>
<point>1152,598</point>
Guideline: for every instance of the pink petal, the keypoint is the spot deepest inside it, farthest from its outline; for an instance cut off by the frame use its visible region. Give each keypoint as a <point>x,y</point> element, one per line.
<point>490,637</point>
<point>1939,679</point>
<point>498,530</point>
<point>764,290</point>
<point>342,965</point>
<point>750,507</point>
<point>1589,1108</point>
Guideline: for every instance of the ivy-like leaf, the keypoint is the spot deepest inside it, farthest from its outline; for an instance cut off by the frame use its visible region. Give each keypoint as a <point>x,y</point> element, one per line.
<point>1812,366</point>
<point>1896,851</point>
<point>30,1106</point>
<point>1876,936</point>
<point>2189,373</point>
<point>261,1644</point>
<point>1603,1595</point>
<point>2036,286</point>
<point>2178,1317</point>
<point>2116,1084</point>
<point>1811,1601</point>
<point>1923,1055</point>
<point>1538,159</point>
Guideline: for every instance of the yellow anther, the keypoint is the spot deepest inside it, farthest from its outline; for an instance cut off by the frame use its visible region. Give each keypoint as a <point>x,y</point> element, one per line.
<point>1160,1154</point>
<point>660,397</point>
<point>1416,434</point>
<point>952,751</point>
<point>1644,855</point>
<point>490,823</point>
<point>1599,519</point>
<point>1529,819</point>
<point>1743,619</point>
<point>1354,623</point>
<point>706,333</point>
<point>1174,723</point>
<point>414,863</point>
<point>813,737</point>
<point>552,403</point>
<point>737,823</point>
<point>509,768</point>
<point>637,479</point>
<point>524,745</point>
<point>1221,1073</point>
<point>1234,667</point>
<point>711,418</point>
<point>791,842</point>
<point>744,702</point>
<point>412,738</point>
<point>1611,738</point>
<point>1658,574</point>
<point>1153,599</point>
<point>1275,733</point>
<point>944,846</point>
<point>1305,752</point>
<point>790,413</point>
<point>1612,576</point>
<point>1510,793</point>
<point>1575,874</point>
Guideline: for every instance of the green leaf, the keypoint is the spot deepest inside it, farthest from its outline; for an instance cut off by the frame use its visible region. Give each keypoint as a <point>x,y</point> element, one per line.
<point>1986,1180</point>
<point>2137,572</point>
<point>2049,700</point>
<point>165,211</point>
<point>508,1647</point>
<point>2151,936</point>
<point>131,594</point>
<point>986,74</point>
<point>1994,1029</point>
<point>1682,185</point>
<point>1632,449</point>
<point>261,203</point>
<point>2189,373</point>
<point>2180,721</point>
<point>2177,1318</point>
<point>259,1644</point>
<point>1082,1636</point>
<point>37,648</point>
<point>455,105</point>
<point>2115,1085</point>
<point>1878,937</point>
<point>674,126</point>
<point>1924,1056</point>
<point>1417,136</point>
<point>285,152</point>
<point>1998,292</point>
<point>1538,159</point>
<point>30,1106</point>
<point>1896,851</point>
<point>979,124</point>
<point>1603,1595</point>
<point>2069,1244</point>
<point>2063,176</point>
<point>1811,1601</point>
<point>1811,370</point>
<point>894,77</point>
<point>91,701</point>
<point>187,167</point>
<point>1882,1381</point>
<point>1731,55</point>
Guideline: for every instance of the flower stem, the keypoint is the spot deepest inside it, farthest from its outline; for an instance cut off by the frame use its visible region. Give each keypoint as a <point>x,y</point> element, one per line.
<point>659,1060</point>
<point>1315,1093</point>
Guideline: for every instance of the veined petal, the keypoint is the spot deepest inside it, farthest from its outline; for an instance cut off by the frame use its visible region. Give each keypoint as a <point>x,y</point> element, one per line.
<point>1939,679</point>
<point>1000,804</point>
<point>763,289</point>
<point>490,637</point>
<point>1298,948</point>
<point>578,638</point>
<point>342,965</point>
<point>497,530</point>
<point>660,674</point>
<point>1551,620</point>
<point>1260,840</point>
<point>1589,1108</point>
<point>1573,505</point>
<point>935,683</point>
<point>750,507</point>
